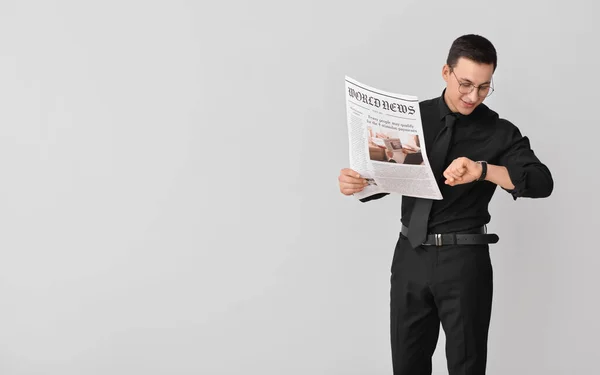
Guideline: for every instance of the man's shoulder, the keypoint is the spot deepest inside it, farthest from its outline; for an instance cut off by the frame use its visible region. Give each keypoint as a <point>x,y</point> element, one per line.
<point>428,103</point>
<point>429,108</point>
<point>501,124</point>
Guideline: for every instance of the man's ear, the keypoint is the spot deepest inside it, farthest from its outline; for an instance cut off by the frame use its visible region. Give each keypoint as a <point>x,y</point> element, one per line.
<point>446,72</point>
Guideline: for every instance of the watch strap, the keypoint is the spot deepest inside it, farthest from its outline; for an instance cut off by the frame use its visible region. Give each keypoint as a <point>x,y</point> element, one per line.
<point>484,168</point>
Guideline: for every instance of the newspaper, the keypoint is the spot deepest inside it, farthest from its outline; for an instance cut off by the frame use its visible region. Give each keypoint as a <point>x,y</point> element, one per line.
<point>387,146</point>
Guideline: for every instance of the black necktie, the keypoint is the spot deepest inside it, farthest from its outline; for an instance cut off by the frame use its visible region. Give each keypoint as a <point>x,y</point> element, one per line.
<point>420,215</point>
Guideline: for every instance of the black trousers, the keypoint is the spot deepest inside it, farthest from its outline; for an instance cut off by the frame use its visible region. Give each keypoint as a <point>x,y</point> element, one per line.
<point>447,284</point>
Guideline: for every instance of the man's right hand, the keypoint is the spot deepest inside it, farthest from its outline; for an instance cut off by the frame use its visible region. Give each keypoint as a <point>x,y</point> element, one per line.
<point>351,182</point>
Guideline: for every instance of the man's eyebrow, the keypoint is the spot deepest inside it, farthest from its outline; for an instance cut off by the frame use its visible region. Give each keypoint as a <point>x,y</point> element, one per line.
<point>469,81</point>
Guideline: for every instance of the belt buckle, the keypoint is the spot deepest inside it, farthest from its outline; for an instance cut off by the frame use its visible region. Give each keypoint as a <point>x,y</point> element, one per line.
<point>438,239</point>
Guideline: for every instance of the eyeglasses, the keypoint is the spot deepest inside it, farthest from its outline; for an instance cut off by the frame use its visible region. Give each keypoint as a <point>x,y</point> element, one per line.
<point>466,88</point>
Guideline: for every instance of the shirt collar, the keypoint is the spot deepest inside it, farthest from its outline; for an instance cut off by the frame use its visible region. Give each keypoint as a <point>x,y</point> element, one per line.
<point>443,107</point>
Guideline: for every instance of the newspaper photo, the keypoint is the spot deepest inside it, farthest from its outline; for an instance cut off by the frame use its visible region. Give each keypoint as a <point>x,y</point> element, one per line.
<point>387,146</point>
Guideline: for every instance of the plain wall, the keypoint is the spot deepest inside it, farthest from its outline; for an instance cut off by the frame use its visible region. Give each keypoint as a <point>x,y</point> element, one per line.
<point>169,199</point>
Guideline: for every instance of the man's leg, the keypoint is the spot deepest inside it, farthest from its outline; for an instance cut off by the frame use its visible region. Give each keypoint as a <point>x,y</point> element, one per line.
<point>414,321</point>
<point>463,286</point>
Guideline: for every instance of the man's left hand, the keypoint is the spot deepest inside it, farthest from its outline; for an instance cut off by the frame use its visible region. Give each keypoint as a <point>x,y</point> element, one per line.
<point>462,171</point>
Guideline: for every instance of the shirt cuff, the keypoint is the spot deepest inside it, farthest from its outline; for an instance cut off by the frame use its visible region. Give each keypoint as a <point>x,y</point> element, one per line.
<point>373,197</point>
<point>518,176</point>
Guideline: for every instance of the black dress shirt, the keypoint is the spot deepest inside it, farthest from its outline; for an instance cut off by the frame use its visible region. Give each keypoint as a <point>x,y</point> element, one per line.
<point>482,135</point>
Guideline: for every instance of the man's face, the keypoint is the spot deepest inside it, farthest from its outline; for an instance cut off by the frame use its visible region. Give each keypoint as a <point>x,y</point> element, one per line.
<point>466,72</point>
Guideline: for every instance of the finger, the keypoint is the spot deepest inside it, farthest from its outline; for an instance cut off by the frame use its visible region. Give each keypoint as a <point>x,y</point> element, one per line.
<point>448,176</point>
<point>349,175</point>
<point>348,191</point>
<point>352,186</point>
<point>453,182</point>
<point>455,172</point>
<point>449,173</point>
<point>456,175</point>
<point>351,180</point>
<point>350,172</point>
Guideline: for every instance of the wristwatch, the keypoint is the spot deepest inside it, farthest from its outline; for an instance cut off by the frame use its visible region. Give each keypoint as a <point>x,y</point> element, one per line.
<point>483,170</point>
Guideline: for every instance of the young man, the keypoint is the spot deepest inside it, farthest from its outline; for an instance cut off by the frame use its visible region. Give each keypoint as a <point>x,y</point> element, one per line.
<point>441,270</point>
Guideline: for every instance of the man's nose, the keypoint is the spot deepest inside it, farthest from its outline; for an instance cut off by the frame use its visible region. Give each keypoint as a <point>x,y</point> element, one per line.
<point>474,95</point>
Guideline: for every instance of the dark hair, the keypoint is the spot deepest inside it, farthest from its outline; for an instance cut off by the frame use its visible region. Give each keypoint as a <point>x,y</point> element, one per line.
<point>473,47</point>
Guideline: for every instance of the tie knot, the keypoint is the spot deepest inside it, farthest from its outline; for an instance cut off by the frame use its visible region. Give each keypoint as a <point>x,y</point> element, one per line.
<point>451,119</point>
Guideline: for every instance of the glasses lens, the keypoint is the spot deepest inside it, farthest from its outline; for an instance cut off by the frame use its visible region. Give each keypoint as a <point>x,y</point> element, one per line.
<point>465,88</point>
<point>485,92</point>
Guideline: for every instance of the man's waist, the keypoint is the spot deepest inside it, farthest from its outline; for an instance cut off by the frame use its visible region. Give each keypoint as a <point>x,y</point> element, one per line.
<point>473,236</point>
<point>466,224</point>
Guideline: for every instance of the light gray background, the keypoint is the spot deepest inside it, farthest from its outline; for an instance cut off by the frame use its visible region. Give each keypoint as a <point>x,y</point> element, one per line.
<point>169,184</point>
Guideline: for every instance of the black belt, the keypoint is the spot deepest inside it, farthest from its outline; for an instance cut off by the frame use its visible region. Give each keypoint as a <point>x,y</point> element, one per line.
<point>477,236</point>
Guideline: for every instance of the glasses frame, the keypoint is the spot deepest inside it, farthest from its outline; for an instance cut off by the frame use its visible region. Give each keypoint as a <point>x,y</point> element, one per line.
<point>472,87</point>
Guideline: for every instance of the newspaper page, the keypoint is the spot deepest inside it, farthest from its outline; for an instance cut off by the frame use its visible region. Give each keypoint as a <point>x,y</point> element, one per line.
<point>387,146</point>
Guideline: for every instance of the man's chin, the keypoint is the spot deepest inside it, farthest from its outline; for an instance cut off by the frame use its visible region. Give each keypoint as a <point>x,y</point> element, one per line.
<point>465,112</point>
<point>465,109</point>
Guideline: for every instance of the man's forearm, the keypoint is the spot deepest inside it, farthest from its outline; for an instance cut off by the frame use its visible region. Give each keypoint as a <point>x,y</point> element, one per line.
<point>499,175</point>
